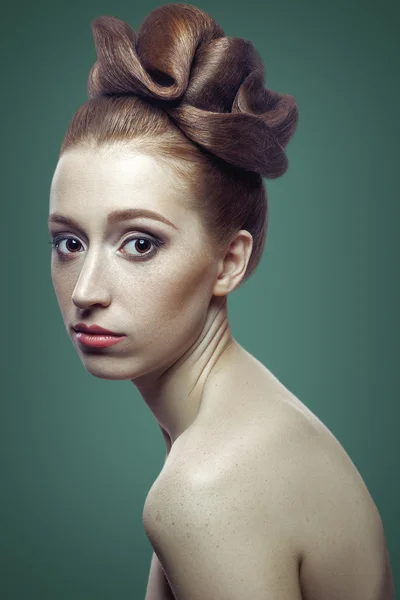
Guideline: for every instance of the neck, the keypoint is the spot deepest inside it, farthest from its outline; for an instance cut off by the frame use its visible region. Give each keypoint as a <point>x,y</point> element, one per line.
<point>174,393</point>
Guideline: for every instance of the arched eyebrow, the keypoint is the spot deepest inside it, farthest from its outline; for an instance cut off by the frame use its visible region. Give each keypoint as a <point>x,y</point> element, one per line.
<point>114,217</point>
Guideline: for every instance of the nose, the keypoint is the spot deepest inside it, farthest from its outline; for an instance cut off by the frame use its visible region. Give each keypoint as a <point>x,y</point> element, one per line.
<point>91,287</point>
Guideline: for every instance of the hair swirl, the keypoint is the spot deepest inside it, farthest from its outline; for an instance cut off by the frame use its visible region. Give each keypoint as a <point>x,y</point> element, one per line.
<point>211,85</point>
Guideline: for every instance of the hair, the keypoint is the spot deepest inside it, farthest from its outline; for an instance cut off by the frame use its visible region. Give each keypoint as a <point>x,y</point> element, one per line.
<point>184,92</point>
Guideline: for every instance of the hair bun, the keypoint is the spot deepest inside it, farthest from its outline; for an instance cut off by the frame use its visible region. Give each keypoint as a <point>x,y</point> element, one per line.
<point>212,86</point>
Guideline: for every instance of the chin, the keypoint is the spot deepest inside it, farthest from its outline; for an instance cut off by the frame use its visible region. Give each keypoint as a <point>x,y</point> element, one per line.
<point>115,368</point>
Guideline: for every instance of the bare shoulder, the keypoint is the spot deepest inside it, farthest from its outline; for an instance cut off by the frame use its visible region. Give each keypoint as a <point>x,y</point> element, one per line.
<point>338,527</point>
<point>346,533</point>
<point>211,535</point>
<point>277,505</point>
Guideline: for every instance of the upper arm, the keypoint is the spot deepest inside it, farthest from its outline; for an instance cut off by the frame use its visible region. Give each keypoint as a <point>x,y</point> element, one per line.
<point>211,546</point>
<point>353,545</point>
<point>157,585</point>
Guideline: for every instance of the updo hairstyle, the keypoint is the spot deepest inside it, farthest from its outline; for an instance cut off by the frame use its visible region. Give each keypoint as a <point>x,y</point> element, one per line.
<point>182,91</point>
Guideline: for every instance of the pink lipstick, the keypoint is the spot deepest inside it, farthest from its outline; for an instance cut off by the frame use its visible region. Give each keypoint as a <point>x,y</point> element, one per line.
<point>98,341</point>
<point>96,336</point>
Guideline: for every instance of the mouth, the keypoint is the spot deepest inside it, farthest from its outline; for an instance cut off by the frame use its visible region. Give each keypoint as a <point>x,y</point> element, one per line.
<point>94,330</point>
<point>97,340</point>
<point>95,336</point>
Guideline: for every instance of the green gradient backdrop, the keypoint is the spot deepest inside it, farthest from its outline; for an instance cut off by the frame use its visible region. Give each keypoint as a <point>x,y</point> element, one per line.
<point>78,453</point>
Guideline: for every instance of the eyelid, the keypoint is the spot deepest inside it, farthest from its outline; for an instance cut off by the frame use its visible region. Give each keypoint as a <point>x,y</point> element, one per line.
<point>63,236</point>
<point>121,227</point>
<point>121,231</point>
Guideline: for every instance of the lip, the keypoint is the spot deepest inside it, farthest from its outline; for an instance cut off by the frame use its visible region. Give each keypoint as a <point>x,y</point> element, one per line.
<point>97,340</point>
<point>94,329</point>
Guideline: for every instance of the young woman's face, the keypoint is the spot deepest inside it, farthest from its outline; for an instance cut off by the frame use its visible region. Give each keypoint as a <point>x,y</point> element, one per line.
<point>139,276</point>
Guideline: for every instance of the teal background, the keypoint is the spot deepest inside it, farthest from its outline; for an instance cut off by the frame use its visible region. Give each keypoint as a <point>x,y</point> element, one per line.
<point>79,454</point>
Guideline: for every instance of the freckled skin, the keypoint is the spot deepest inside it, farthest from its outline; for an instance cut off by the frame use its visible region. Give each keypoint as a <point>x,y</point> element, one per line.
<point>161,303</point>
<point>226,420</point>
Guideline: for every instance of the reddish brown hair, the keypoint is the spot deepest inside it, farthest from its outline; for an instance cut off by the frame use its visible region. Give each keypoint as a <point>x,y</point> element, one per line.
<point>181,90</point>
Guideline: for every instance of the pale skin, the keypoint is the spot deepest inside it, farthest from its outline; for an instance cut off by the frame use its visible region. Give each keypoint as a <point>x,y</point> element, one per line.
<point>257,499</point>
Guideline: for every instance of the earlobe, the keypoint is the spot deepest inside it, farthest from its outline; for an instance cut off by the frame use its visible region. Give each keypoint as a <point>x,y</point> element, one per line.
<point>234,263</point>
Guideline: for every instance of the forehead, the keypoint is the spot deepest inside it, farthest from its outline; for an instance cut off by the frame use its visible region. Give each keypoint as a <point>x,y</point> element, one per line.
<point>98,181</point>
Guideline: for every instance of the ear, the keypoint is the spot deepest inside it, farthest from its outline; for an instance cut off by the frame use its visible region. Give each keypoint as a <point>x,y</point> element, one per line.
<point>234,263</point>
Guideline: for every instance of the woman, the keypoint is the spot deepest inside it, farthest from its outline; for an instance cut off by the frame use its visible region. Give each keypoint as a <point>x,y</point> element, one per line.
<point>158,211</point>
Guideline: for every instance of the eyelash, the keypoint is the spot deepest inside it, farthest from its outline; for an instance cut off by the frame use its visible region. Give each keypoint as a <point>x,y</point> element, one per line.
<point>60,238</point>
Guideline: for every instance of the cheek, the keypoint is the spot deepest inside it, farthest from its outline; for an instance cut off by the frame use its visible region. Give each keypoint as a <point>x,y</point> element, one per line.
<point>180,284</point>
<point>63,287</point>
<point>174,300</point>
<point>156,296</point>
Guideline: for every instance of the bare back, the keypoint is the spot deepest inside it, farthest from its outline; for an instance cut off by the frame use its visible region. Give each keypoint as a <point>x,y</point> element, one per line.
<point>263,444</point>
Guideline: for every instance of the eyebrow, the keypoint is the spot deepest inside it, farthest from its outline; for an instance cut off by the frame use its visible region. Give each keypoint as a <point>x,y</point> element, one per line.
<point>114,217</point>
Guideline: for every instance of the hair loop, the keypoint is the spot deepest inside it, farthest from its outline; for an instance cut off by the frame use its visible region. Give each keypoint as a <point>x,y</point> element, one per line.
<point>156,61</point>
<point>211,85</point>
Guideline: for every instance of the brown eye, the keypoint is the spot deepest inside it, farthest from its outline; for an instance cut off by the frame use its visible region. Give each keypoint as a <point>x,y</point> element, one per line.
<point>72,244</point>
<point>142,245</point>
